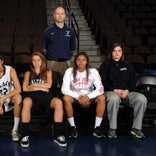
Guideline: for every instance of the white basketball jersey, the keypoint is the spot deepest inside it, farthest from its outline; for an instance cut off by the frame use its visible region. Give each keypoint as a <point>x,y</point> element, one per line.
<point>6,84</point>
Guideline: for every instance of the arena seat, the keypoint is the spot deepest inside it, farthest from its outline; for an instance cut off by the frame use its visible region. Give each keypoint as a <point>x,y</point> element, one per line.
<point>151,62</point>
<point>145,8</point>
<point>138,62</point>
<point>153,31</point>
<point>142,50</point>
<point>152,41</point>
<point>127,50</point>
<point>150,1</point>
<point>146,84</point>
<point>133,8</point>
<point>141,31</point>
<point>148,23</point>
<point>134,22</point>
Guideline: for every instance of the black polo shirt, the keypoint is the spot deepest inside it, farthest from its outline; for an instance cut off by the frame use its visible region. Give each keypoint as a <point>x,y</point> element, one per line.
<point>59,42</point>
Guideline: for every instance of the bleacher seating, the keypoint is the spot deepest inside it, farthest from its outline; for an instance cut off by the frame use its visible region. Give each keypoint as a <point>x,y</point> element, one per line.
<point>131,22</point>
<point>21,22</point>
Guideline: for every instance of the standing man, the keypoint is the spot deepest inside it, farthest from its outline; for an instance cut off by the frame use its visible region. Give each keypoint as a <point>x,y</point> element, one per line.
<point>58,44</point>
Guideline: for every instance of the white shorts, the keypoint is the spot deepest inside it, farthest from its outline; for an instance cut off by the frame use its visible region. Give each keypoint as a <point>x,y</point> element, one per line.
<point>7,105</point>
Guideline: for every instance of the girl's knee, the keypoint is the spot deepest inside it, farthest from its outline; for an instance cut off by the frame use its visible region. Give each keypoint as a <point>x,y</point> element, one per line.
<point>67,99</point>
<point>27,103</point>
<point>17,99</point>
<point>57,103</point>
<point>141,99</point>
<point>114,98</point>
<point>101,99</point>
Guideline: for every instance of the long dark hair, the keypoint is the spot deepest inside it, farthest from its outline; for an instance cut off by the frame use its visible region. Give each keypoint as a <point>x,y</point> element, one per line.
<point>43,70</point>
<point>111,48</point>
<point>75,65</point>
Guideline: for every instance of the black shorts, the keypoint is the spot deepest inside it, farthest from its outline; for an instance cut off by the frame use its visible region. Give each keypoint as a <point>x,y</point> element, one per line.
<point>40,99</point>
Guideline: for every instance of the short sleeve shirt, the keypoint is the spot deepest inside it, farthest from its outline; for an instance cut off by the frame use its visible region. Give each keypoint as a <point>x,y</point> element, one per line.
<point>59,42</point>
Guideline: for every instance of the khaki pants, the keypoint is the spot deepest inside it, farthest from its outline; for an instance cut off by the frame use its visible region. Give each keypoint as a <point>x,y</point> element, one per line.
<point>58,70</point>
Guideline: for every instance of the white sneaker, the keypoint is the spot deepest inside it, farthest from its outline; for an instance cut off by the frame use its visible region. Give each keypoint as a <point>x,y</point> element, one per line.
<point>15,135</point>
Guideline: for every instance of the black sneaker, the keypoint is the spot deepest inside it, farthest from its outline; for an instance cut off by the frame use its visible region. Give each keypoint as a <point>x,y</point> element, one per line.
<point>73,132</point>
<point>137,133</point>
<point>97,133</point>
<point>112,133</point>
<point>61,141</point>
<point>25,141</point>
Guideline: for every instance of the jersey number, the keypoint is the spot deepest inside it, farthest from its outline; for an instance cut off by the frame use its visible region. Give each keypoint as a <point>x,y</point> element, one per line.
<point>3,91</point>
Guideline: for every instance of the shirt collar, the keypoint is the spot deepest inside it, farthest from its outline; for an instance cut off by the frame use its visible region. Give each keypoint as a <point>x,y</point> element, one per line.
<point>59,27</point>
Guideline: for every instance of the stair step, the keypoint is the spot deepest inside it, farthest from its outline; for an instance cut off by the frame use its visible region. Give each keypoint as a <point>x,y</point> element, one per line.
<point>85,33</point>
<point>86,38</point>
<point>88,47</point>
<point>91,52</point>
<point>95,64</point>
<point>84,29</point>
<point>94,58</point>
<point>91,43</point>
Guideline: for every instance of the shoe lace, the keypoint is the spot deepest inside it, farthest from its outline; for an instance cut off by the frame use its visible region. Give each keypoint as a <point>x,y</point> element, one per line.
<point>139,132</point>
<point>25,138</point>
<point>112,131</point>
<point>14,133</point>
<point>61,138</point>
<point>98,130</point>
<point>73,130</point>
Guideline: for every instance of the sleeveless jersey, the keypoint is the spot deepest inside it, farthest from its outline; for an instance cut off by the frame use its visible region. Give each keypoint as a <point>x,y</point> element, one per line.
<point>6,84</point>
<point>36,79</point>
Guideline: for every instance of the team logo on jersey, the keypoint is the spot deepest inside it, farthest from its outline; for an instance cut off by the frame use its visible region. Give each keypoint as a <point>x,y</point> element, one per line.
<point>67,33</point>
<point>4,84</point>
<point>52,33</point>
<point>122,69</point>
<point>37,81</point>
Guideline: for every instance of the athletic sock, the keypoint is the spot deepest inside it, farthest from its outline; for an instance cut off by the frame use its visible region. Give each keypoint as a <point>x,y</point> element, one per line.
<point>71,122</point>
<point>98,121</point>
<point>16,124</point>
